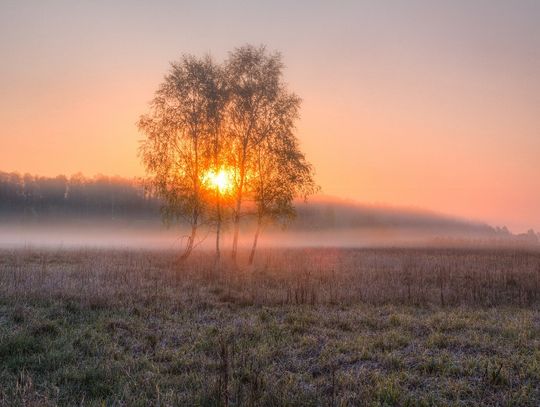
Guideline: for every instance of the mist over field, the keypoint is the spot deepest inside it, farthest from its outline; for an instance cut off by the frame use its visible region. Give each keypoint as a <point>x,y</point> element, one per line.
<point>322,223</point>
<point>115,212</point>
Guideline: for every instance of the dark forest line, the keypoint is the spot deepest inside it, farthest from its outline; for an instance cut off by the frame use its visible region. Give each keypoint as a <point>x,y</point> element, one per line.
<point>34,197</point>
<point>28,197</point>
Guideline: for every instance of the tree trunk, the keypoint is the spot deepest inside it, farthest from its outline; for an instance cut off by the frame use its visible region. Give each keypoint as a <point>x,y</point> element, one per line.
<point>255,239</point>
<point>191,240</point>
<point>236,219</point>
<point>218,229</point>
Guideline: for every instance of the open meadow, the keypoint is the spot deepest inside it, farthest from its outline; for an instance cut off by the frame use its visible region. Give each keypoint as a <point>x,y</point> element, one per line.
<point>270,204</point>
<point>336,327</point>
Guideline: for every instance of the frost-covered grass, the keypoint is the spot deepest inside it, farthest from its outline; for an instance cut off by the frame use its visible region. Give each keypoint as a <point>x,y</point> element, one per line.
<point>302,327</point>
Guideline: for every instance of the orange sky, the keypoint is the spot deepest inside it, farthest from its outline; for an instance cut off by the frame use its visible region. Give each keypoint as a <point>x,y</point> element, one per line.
<point>418,104</point>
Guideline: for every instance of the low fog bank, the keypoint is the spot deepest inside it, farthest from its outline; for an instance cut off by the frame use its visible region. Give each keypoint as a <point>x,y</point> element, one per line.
<point>320,223</point>
<point>117,212</point>
<point>97,233</point>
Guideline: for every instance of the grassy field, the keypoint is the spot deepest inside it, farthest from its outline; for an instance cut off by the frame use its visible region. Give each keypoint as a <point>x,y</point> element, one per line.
<point>381,327</point>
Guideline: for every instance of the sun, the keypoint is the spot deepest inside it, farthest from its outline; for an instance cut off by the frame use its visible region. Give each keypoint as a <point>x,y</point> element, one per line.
<point>221,180</point>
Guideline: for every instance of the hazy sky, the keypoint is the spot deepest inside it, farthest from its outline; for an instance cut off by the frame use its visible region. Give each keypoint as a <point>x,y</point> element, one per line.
<point>407,103</point>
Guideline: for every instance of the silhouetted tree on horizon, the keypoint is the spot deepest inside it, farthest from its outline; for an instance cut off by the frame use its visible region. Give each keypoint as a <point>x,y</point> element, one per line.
<point>180,139</point>
<point>260,119</point>
<point>206,118</point>
<point>281,173</point>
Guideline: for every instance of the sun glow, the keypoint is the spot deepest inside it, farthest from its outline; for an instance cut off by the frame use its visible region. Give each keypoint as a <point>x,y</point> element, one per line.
<point>221,180</point>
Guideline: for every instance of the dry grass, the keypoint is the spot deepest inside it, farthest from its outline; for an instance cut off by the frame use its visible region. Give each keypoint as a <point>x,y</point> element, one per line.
<point>302,327</point>
<point>312,276</point>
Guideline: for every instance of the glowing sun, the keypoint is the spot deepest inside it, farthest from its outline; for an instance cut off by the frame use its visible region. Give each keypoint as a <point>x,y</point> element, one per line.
<point>221,180</point>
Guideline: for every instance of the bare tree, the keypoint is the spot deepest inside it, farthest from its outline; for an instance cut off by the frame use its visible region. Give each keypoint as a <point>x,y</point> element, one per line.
<point>255,112</point>
<point>210,122</point>
<point>181,132</point>
<point>217,144</point>
<point>281,175</point>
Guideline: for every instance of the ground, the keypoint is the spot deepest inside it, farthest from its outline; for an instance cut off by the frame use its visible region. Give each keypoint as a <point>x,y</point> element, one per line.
<point>89,327</point>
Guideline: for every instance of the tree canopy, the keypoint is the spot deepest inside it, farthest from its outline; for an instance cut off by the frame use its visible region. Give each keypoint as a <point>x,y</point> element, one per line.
<point>220,143</point>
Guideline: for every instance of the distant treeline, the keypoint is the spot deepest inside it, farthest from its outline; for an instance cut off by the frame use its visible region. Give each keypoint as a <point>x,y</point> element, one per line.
<point>116,197</point>
<point>36,197</point>
<point>31,196</point>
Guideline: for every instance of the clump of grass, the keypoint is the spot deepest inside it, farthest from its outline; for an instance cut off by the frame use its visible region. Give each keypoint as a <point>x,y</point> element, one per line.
<point>495,374</point>
<point>19,314</point>
<point>392,340</point>
<point>47,328</point>
<point>90,382</point>
<point>19,344</point>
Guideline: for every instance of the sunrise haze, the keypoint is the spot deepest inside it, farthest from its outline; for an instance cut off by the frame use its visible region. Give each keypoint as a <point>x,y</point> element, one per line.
<point>406,103</point>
